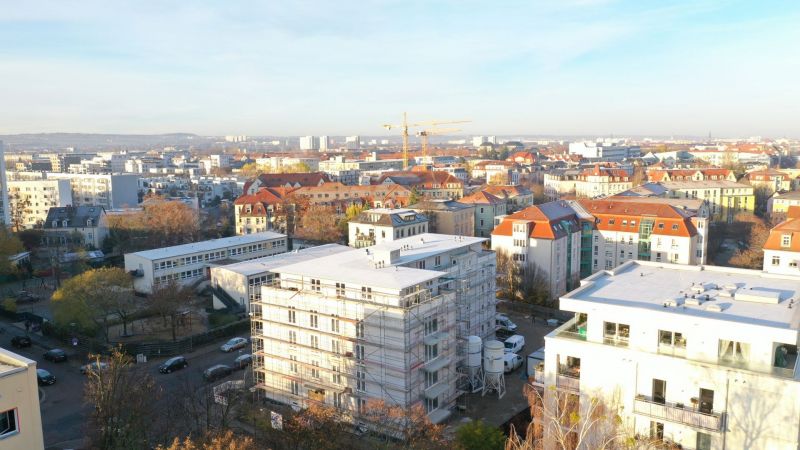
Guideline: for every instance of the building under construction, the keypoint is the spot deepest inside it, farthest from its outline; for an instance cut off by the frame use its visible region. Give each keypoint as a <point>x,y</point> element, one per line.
<point>388,322</point>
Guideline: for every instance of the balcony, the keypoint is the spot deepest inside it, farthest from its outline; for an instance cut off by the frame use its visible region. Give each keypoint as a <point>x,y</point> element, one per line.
<point>672,412</point>
<point>572,329</point>
<point>569,377</point>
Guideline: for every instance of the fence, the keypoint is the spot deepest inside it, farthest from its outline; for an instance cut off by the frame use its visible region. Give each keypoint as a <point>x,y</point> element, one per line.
<point>187,344</point>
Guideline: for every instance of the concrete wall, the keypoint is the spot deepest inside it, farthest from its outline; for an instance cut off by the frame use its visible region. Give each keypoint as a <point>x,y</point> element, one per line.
<point>19,391</point>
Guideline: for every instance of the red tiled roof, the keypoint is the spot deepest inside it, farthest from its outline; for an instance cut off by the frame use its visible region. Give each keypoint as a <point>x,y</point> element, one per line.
<point>668,220</point>
<point>545,220</point>
<point>481,197</point>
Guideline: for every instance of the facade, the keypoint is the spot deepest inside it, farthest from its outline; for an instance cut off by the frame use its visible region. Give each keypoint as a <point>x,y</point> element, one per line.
<point>308,143</point>
<point>5,212</point>
<point>341,196</point>
<point>487,207</point>
<point>771,179</point>
<point>661,175</point>
<point>547,236</point>
<point>20,417</point>
<point>517,197</point>
<point>604,150</point>
<point>287,180</point>
<point>387,323</point>
<point>189,263</point>
<point>255,213</point>
<point>780,202</point>
<point>111,191</point>
<point>782,249</point>
<point>602,182</point>
<point>559,182</point>
<point>700,356</point>
<point>376,226</point>
<point>646,231</point>
<point>38,197</point>
<point>447,216</point>
<point>63,224</point>
<point>726,198</point>
<point>430,184</point>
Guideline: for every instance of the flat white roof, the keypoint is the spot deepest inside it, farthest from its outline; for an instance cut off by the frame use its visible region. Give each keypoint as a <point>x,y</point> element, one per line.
<point>206,246</point>
<point>268,263</point>
<point>425,245</point>
<point>758,298</point>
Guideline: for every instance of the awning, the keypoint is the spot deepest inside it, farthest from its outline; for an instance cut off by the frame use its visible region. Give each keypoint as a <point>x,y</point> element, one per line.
<point>434,338</point>
<point>436,364</point>
<point>436,390</point>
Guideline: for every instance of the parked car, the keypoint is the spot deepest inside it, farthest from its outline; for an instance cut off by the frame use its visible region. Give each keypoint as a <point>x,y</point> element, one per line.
<point>504,323</point>
<point>234,344</point>
<point>94,366</point>
<point>216,372</point>
<point>173,364</point>
<point>55,355</point>
<point>514,344</point>
<point>511,362</point>
<point>21,341</point>
<point>44,377</point>
<point>242,361</point>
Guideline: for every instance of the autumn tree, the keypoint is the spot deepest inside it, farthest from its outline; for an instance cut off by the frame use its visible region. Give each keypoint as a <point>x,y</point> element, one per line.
<point>318,224</point>
<point>521,280</point>
<point>319,427</point>
<point>753,231</point>
<point>161,223</point>
<point>212,441</point>
<point>122,398</point>
<point>10,245</point>
<point>92,299</point>
<point>408,424</point>
<point>352,211</point>
<point>170,300</point>
<point>478,435</point>
<point>19,205</point>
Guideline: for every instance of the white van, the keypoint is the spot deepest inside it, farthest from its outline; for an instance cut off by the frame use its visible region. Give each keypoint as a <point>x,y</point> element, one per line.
<point>504,323</point>
<point>511,362</point>
<point>514,344</point>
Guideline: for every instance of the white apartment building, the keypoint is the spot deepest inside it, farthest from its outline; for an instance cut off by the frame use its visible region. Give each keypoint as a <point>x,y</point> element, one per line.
<point>381,323</point>
<point>38,197</point>
<point>324,142</point>
<point>602,182</point>
<point>547,236</point>
<point>189,263</point>
<point>111,191</point>
<point>376,226</point>
<point>309,143</point>
<point>20,418</point>
<point>628,230</point>
<point>604,150</point>
<point>352,143</point>
<point>221,161</point>
<point>782,249</point>
<point>704,357</point>
<point>5,213</point>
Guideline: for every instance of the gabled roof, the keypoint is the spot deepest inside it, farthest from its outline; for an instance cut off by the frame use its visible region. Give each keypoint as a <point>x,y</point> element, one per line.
<point>264,195</point>
<point>76,216</point>
<point>481,197</point>
<point>614,215</point>
<point>767,175</point>
<point>510,191</point>
<point>545,220</point>
<point>791,227</point>
<point>424,179</point>
<point>290,179</point>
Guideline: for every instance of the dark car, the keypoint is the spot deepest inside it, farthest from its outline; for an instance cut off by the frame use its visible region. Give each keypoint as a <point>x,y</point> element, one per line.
<point>173,364</point>
<point>21,341</point>
<point>242,361</point>
<point>44,377</point>
<point>55,355</point>
<point>214,373</point>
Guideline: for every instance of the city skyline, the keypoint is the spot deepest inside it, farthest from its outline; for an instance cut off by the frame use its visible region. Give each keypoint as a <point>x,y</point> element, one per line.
<point>579,67</point>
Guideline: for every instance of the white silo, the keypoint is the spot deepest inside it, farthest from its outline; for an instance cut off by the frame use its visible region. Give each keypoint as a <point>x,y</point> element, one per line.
<point>493,365</point>
<point>474,363</point>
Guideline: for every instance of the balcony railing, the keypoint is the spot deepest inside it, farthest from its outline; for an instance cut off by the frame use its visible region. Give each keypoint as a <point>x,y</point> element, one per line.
<point>569,377</point>
<point>686,415</point>
<point>572,330</point>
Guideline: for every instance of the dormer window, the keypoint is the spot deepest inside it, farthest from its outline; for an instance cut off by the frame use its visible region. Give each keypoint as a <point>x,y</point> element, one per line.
<point>786,240</point>
<point>88,222</point>
<point>64,223</point>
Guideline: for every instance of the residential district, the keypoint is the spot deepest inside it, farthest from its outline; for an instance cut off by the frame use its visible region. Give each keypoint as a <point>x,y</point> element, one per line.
<point>379,292</point>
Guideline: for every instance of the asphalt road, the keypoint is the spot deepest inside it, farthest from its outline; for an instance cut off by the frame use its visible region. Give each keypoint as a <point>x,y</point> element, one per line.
<point>64,413</point>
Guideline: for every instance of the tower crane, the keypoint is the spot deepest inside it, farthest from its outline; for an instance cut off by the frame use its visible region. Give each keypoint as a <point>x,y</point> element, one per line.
<point>424,134</point>
<point>404,126</point>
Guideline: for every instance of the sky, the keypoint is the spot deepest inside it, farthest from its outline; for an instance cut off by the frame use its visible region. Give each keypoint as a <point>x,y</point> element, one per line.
<point>532,67</point>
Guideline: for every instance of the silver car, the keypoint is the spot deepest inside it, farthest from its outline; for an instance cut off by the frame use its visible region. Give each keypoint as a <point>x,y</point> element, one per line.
<point>234,344</point>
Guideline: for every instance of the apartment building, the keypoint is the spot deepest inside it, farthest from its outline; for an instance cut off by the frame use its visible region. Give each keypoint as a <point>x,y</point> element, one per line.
<point>376,226</point>
<point>430,184</point>
<point>516,196</point>
<point>487,207</point>
<point>189,263</point>
<point>340,196</point>
<point>560,182</point>
<point>547,236</point>
<point>111,191</point>
<point>254,213</point>
<point>726,198</point>
<point>604,150</point>
<point>287,180</point>
<point>87,224</point>
<point>211,188</point>
<point>602,182</point>
<point>447,216</point>
<point>388,322</point>
<point>629,230</point>
<point>660,175</point>
<point>771,179</point>
<point>33,199</point>
<point>20,418</point>
<point>699,356</point>
<point>5,212</point>
<point>780,202</point>
<point>782,248</point>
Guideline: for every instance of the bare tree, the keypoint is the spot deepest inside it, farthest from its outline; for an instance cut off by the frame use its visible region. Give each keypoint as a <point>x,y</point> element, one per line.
<point>170,300</point>
<point>410,424</point>
<point>522,280</point>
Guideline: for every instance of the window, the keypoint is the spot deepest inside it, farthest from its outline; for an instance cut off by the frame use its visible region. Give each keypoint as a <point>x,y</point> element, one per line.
<point>616,333</point>
<point>292,337</point>
<point>314,319</point>
<point>366,293</point>
<point>786,240</point>
<point>8,423</point>
<point>431,378</point>
<point>315,369</point>
<point>431,326</point>
<point>295,387</point>
<point>359,329</point>
<point>776,260</point>
<point>340,289</point>
<point>675,226</point>
<point>733,351</point>
<point>334,325</point>
<point>336,346</point>
<point>431,404</point>
<point>337,376</point>
<point>315,285</point>
<point>671,339</point>
<point>292,315</point>
<point>293,363</point>
<point>431,351</point>
<point>361,381</point>
<point>656,430</point>
<point>314,341</point>
<point>703,441</point>
<point>359,349</point>
<point>338,400</point>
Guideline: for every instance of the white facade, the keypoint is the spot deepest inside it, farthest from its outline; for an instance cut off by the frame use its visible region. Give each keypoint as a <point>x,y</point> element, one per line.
<point>41,195</point>
<point>609,151</point>
<point>324,142</point>
<point>309,143</point>
<point>222,161</point>
<point>701,356</point>
<point>376,226</point>
<point>20,416</point>
<point>5,213</point>
<point>352,142</point>
<point>381,324</point>
<point>189,263</point>
<point>109,191</point>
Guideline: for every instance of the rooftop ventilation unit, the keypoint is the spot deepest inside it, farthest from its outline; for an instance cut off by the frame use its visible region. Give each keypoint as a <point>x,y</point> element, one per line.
<point>758,295</point>
<point>714,308</point>
<point>694,301</point>
<point>673,302</point>
<point>698,288</point>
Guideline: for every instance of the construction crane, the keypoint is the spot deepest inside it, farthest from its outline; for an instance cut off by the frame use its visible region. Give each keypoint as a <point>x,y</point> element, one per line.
<point>404,130</point>
<point>423,134</point>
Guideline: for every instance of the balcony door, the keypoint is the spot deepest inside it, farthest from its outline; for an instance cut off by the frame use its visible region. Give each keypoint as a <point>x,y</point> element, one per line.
<point>706,401</point>
<point>659,391</point>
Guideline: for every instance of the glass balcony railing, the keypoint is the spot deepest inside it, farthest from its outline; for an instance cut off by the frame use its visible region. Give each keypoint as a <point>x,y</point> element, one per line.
<point>679,413</point>
<point>572,329</point>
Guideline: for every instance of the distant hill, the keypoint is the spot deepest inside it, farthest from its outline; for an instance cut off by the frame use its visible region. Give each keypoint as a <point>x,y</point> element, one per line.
<point>84,141</point>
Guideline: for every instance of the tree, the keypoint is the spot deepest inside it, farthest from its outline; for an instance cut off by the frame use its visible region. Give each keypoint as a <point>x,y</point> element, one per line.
<point>93,298</point>
<point>352,211</point>
<point>122,398</point>
<point>211,441</point>
<point>169,300</point>
<point>478,435</point>
<point>754,233</point>
<point>319,427</point>
<point>409,424</point>
<point>161,223</point>
<point>31,238</point>
<point>415,196</point>
<point>10,245</point>
<point>19,206</point>
<point>318,224</point>
<point>521,281</point>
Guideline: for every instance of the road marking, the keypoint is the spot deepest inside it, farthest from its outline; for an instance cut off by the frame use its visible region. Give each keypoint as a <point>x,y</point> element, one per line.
<point>42,396</point>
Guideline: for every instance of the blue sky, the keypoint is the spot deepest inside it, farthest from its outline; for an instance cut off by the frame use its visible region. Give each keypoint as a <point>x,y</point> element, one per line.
<point>566,67</point>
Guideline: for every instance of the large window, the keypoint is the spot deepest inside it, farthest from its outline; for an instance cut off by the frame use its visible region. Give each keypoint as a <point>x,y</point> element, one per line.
<point>431,351</point>
<point>671,339</point>
<point>616,333</point>
<point>734,351</point>
<point>8,423</point>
